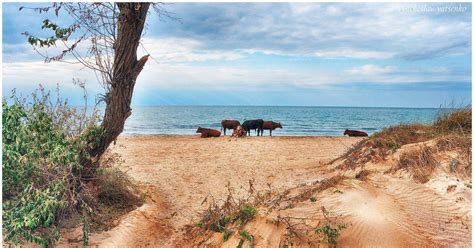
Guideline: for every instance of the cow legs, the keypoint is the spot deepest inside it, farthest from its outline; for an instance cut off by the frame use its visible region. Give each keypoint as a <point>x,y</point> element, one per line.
<point>270,132</point>
<point>224,130</point>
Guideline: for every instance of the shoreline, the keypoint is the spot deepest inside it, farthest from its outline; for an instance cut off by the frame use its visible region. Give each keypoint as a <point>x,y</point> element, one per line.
<point>229,136</point>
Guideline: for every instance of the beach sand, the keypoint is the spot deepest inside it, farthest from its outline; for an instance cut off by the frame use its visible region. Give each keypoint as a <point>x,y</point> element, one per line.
<point>186,169</point>
<point>182,171</point>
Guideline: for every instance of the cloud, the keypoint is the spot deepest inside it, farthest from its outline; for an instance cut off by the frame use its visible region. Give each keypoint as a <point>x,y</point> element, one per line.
<point>349,53</point>
<point>371,70</point>
<point>455,48</point>
<point>169,50</point>
<point>275,46</point>
<point>329,30</point>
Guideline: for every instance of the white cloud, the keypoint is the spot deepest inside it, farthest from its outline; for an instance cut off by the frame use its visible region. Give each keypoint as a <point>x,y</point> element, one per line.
<point>178,50</point>
<point>357,54</point>
<point>371,70</point>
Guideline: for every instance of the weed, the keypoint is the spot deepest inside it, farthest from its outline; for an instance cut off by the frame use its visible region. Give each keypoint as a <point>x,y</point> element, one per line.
<point>468,185</point>
<point>458,121</point>
<point>312,199</point>
<point>330,228</point>
<point>420,162</point>
<point>245,213</point>
<point>217,217</point>
<point>245,235</point>
<point>331,234</point>
<point>362,175</point>
<point>337,191</point>
<point>227,234</point>
<point>453,165</point>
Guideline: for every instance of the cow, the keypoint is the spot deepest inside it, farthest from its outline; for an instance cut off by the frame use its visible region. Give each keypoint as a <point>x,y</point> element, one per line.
<point>238,132</point>
<point>229,124</point>
<point>271,125</point>
<point>355,133</point>
<point>253,124</point>
<point>207,132</point>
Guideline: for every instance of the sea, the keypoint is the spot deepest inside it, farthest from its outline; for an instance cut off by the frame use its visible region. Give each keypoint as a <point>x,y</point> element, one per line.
<point>296,121</point>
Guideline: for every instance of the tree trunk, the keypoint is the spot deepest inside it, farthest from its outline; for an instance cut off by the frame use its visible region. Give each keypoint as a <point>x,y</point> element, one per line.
<point>126,69</point>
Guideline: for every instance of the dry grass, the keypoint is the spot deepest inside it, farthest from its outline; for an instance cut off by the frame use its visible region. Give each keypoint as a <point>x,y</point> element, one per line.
<point>230,215</point>
<point>320,186</point>
<point>421,163</point>
<point>110,195</point>
<point>397,136</point>
<point>362,175</point>
<point>451,129</point>
<point>459,121</point>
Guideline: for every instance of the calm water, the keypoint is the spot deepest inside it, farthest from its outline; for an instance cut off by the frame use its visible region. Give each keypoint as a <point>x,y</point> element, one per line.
<point>296,121</point>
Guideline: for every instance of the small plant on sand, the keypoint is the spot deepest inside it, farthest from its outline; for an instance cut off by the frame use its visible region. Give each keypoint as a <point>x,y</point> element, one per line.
<point>313,199</point>
<point>227,234</point>
<point>469,185</point>
<point>330,228</point>
<point>331,234</point>
<point>245,236</point>
<point>218,216</point>
<point>245,213</point>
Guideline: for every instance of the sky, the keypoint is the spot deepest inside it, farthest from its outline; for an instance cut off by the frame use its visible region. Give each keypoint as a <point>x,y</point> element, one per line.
<point>292,54</point>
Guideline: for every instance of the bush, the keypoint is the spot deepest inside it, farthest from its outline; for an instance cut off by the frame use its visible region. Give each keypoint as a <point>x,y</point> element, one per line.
<point>44,145</point>
<point>459,121</point>
<point>330,228</point>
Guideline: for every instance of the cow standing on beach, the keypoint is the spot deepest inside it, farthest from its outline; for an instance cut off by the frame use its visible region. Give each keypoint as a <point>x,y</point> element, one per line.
<point>229,124</point>
<point>355,133</point>
<point>207,132</point>
<point>271,125</point>
<point>253,124</point>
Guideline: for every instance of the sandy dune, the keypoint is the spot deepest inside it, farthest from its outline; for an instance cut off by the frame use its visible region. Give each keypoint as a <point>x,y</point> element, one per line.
<point>383,210</point>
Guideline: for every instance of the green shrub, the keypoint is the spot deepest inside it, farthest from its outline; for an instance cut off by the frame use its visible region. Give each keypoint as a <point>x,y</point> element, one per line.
<point>44,145</point>
<point>227,234</point>
<point>246,213</point>
<point>331,234</point>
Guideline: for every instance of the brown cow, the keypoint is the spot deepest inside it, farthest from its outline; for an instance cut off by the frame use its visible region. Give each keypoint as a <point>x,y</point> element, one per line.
<point>229,124</point>
<point>207,132</point>
<point>355,133</point>
<point>270,125</point>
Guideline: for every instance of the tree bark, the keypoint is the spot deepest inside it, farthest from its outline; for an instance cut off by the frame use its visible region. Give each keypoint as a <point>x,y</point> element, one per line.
<point>126,69</point>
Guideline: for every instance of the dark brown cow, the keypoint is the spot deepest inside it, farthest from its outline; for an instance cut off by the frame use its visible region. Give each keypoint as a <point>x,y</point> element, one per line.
<point>207,132</point>
<point>355,133</point>
<point>271,125</point>
<point>229,124</point>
